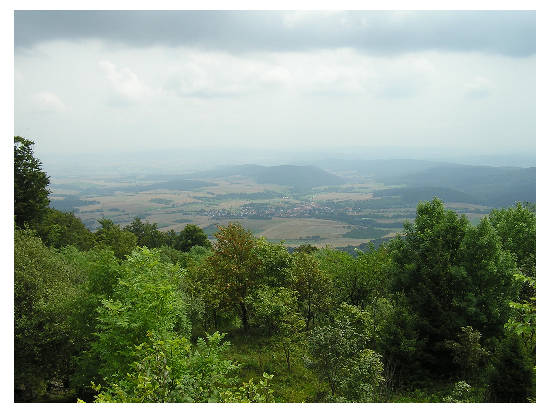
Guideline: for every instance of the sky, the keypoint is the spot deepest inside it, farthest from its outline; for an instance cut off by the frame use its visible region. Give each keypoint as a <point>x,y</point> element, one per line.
<point>116,81</point>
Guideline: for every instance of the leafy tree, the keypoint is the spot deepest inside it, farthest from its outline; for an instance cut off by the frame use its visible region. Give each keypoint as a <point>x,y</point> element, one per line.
<point>363,378</point>
<point>185,259</point>
<point>340,355</point>
<point>170,238</point>
<point>171,371</point>
<point>234,267</point>
<point>173,256</point>
<point>209,294</point>
<point>511,375</point>
<point>396,337</point>
<point>146,299</point>
<point>30,184</point>
<point>122,242</point>
<point>273,263</point>
<point>312,285</point>
<point>467,351</point>
<point>99,270</point>
<point>274,311</point>
<point>485,281</point>
<point>523,318</point>
<point>357,280</point>
<point>190,236</point>
<point>339,265</point>
<point>462,393</point>
<point>452,275</point>
<point>251,392</point>
<point>516,228</point>
<point>59,229</point>
<point>46,292</point>
<point>305,248</point>
<point>147,234</point>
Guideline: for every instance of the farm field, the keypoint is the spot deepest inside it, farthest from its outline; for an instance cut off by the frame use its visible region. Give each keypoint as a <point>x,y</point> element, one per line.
<point>343,215</point>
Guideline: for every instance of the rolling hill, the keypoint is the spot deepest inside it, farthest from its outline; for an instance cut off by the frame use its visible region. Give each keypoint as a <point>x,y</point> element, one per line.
<point>297,177</point>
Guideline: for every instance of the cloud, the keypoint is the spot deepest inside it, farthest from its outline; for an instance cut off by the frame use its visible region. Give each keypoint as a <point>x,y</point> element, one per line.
<point>395,83</point>
<point>125,84</point>
<point>340,72</point>
<point>48,102</point>
<point>478,88</point>
<point>510,33</point>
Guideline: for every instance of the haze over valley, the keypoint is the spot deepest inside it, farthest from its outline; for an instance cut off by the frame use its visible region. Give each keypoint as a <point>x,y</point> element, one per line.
<point>338,202</point>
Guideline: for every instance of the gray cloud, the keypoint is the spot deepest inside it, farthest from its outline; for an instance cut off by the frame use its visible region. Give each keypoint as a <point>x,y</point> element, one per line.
<point>511,33</point>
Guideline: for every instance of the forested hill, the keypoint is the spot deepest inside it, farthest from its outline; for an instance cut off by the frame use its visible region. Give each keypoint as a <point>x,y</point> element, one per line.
<point>487,185</point>
<point>494,186</point>
<point>299,177</point>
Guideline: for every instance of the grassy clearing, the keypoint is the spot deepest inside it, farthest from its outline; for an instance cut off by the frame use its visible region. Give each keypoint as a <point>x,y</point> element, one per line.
<point>257,356</point>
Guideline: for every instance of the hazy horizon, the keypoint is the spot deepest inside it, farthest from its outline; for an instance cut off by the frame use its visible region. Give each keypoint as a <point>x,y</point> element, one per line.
<point>450,84</point>
<point>182,161</point>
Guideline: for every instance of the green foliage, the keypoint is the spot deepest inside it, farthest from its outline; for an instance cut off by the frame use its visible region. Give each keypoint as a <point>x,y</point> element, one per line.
<point>357,280</point>
<point>511,375</point>
<point>452,275</point>
<point>461,394</point>
<point>271,309</point>
<point>100,272</point>
<point>251,392</point>
<point>396,337</point>
<point>516,228</point>
<point>30,184</point>
<point>305,248</point>
<point>273,263</point>
<point>59,229</point>
<point>485,282</point>
<point>362,378</point>
<point>122,242</point>
<point>523,320</point>
<point>190,236</point>
<point>147,235</point>
<point>467,351</point>
<point>46,292</point>
<point>274,312</point>
<point>146,299</point>
<point>185,259</point>
<point>171,371</point>
<point>339,354</point>
<point>312,285</point>
<point>211,303</point>
<point>172,255</point>
<point>235,268</point>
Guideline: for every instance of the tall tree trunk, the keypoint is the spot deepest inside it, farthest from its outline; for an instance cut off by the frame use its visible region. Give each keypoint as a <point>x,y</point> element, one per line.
<point>244,316</point>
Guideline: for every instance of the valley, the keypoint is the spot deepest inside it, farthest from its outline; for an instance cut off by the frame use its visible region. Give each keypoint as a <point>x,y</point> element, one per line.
<point>349,206</point>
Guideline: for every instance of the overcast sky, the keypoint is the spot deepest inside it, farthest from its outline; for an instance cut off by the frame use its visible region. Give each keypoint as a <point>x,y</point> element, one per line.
<point>113,81</point>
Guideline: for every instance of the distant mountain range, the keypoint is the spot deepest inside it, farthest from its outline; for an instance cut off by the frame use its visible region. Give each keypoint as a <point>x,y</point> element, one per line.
<point>415,180</point>
<point>485,185</point>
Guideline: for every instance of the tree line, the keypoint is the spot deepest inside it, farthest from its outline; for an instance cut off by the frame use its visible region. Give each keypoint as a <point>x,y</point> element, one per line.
<point>444,312</point>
